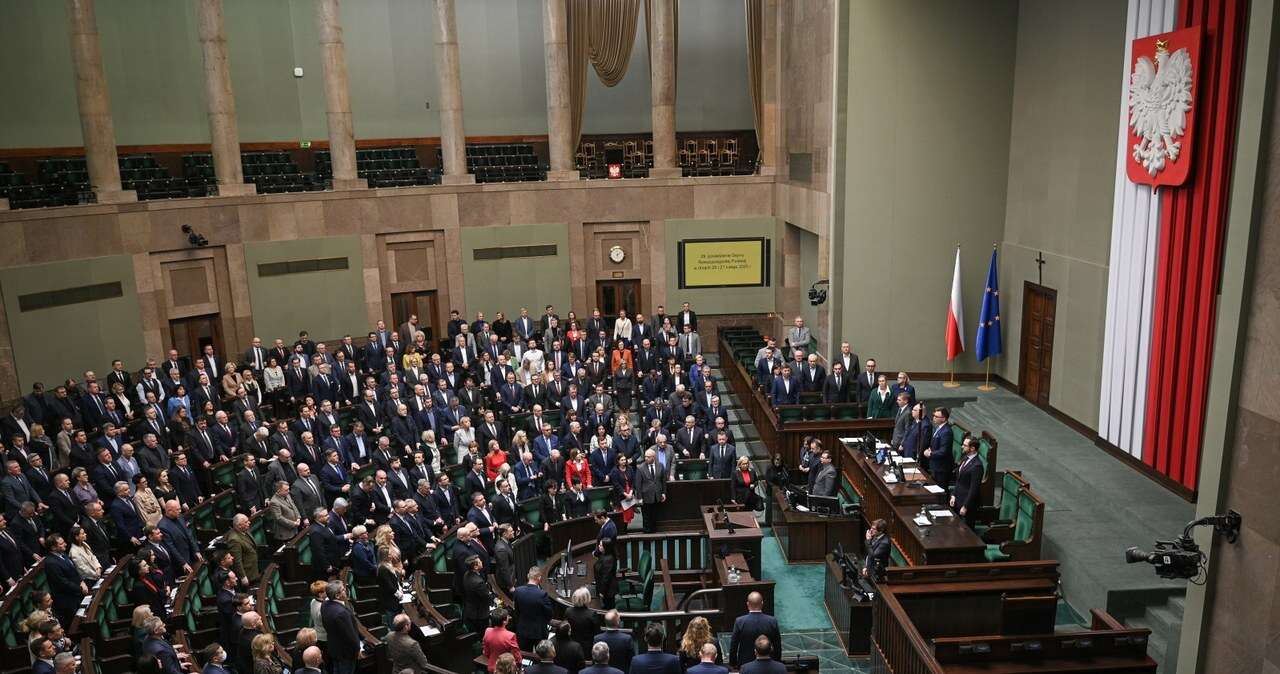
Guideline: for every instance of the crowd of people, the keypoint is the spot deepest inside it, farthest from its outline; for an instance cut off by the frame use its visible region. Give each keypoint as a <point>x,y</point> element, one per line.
<point>537,410</point>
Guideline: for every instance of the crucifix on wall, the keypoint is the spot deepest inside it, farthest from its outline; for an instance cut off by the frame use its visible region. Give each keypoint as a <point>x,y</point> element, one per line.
<point>1040,266</point>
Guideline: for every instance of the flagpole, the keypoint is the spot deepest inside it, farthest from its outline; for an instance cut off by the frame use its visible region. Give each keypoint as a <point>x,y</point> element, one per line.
<point>987,386</point>
<point>952,383</point>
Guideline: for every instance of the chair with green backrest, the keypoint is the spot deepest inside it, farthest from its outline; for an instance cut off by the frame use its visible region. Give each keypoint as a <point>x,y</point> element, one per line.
<point>847,494</point>
<point>531,512</point>
<point>692,469</point>
<point>224,474</point>
<point>790,413</point>
<point>895,557</point>
<point>637,595</point>
<point>600,498</point>
<point>1027,532</point>
<point>819,412</point>
<point>644,567</point>
<point>457,473</point>
<point>1011,484</point>
<point>845,411</point>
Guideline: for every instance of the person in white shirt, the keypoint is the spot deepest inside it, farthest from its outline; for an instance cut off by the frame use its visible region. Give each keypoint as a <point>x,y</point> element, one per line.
<point>622,327</point>
<point>534,358</point>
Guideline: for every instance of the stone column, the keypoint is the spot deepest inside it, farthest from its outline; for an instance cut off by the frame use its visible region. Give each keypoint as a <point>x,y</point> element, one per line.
<point>342,143</point>
<point>95,105</point>
<point>453,138</point>
<point>555,50</point>
<point>770,67</point>
<point>662,84</point>
<point>224,134</point>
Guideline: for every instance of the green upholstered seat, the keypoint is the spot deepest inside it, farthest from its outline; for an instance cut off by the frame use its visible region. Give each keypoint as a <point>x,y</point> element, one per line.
<point>846,411</point>
<point>819,412</point>
<point>692,469</point>
<point>790,413</point>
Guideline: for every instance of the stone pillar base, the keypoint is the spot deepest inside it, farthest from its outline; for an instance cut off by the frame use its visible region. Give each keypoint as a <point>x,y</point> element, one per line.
<point>4,204</point>
<point>458,179</point>
<point>560,176</point>
<point>355,184</point>
<point>116,196</point>
<point>673,172</point>
<point>237,190</point>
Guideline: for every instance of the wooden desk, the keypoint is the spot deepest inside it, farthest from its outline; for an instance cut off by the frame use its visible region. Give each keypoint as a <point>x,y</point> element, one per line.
<point>733,596</point>
<point>685,498</point>
<point>878,497</point>
<point>806,537</point>
<point>745,538</point>
<point>851,617</point>
<point>946,541</point>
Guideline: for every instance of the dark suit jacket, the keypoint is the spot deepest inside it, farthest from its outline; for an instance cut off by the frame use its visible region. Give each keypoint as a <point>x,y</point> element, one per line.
<point>969,485</point>
<point>655,662</point>
<point>533,612</point>
<point>766,666</point>
<point>745,630</point>
<point>622,647</point>
<point>941,461</point>
<point>782,396</point>
<point>340,626</point>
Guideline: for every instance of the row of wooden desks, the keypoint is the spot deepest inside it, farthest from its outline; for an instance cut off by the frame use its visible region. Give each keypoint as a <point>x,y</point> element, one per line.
<point>947,540</point>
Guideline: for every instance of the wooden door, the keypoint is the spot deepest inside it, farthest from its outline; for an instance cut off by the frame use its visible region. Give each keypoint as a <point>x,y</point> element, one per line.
<point>191,335</point>
<point>611,296</point>
<point>1039,307</point>
<point>421,304</point>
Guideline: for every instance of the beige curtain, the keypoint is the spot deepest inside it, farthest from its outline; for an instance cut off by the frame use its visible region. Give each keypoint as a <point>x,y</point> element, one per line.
<point>755,10</point>
<point>601,32</point>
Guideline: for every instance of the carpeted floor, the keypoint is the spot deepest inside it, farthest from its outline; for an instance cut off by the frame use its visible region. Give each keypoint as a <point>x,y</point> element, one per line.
<point>798,602</point>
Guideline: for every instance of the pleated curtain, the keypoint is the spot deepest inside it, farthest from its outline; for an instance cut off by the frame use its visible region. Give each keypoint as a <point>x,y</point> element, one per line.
<point>755,12</point>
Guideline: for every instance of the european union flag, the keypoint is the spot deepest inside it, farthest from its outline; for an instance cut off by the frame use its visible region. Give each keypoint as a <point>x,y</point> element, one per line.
<point>989,342</point>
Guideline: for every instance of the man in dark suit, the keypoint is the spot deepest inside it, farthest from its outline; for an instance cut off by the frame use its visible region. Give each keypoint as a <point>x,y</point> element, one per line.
<point>878,549</point>
<point>64,582</point>
<point>785,391</point>
<point>533,610</point>
<point>749,627</point>
<point>125,518</point>
<point>340,626</point>
<point>723,458</point>
<point>655,660</point>
<point>622,647</point>
<point>836,387</point>
<point>868,380</point>
<point>707,661</point>
<point>940,460</point>
<point>12,556</point>
<point>764,663</point>
<point>326,548</point>
<point>967,496</point>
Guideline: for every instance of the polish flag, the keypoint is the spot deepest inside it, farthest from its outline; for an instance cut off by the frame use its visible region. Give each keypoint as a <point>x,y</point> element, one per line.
<point>955,316</point>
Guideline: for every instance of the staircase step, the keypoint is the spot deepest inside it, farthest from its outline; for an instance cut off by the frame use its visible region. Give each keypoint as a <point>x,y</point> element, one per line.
<point>1162,619</point>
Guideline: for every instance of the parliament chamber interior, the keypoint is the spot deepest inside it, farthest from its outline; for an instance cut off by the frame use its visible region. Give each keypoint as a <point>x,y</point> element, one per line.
<point>623,337</point>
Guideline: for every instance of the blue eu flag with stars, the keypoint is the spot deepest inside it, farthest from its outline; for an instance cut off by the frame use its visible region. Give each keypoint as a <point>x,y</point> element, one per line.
<point>989,342</point>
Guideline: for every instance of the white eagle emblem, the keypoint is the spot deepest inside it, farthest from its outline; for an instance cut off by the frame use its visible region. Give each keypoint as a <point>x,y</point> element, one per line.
<point>1159,99</point>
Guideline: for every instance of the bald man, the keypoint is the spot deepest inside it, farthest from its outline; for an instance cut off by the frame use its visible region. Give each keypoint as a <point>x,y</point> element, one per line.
<point>747,628</point>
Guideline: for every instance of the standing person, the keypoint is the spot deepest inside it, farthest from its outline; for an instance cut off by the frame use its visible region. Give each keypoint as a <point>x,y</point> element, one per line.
<point>476,596</point>
<point>533,610</point>
<point>878,547</point>
<point>654,660</point>
<point>764,662</point>
<point>938,453</point>
<point>498,640</point>
<point>402,649</point>
<point>651,483</point>
<point>340,626</point>
<point>581,618</point>
<point>697,637</point>
<point>966,498</point>
<point>747,628</point>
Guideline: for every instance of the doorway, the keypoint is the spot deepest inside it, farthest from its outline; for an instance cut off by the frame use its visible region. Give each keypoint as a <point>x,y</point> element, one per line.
<point>1039,308</point>
<point>421,303</point>
<point>191,335</point>
<point>613,296</point>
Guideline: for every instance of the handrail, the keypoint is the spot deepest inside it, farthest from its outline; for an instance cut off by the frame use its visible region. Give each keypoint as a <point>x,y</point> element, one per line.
<point>684,602</point>
<point>915,648</point>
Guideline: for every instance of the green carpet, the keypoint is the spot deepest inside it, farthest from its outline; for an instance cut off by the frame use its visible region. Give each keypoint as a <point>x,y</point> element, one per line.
<point>797,602</point>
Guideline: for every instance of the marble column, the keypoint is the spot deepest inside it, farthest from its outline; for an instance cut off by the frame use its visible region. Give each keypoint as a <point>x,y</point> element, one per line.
<point>453,137</point>
<point>555,50</point>
<point>662,84</point>
<point>96,127</point>
<point>770,67</point>
<point>342,143</point>
<point>224,134</point>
